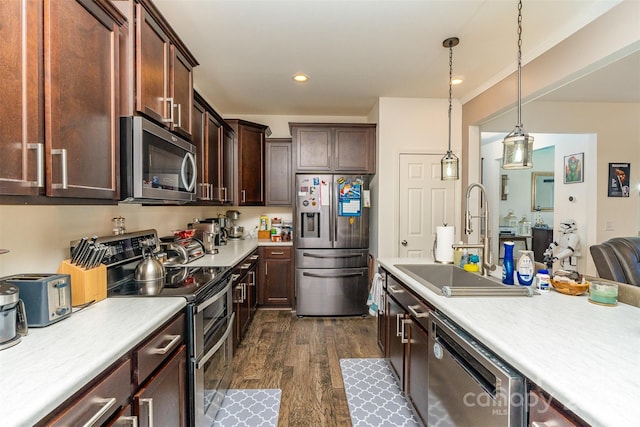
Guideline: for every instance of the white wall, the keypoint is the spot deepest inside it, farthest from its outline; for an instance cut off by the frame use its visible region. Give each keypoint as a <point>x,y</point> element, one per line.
<point>408,125</point>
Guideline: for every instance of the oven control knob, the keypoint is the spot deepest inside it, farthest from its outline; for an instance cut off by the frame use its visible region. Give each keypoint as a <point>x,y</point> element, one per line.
<point>437,351</point>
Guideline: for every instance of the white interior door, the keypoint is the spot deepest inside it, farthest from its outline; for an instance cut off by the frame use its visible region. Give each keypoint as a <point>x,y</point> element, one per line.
<point>425,203</point>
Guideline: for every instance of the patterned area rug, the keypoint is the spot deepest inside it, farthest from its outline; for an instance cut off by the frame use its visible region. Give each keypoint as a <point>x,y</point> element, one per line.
<point>374,398</point>
<point>249,408</point>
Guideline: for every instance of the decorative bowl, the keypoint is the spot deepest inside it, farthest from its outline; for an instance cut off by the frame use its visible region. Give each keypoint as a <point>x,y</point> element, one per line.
<point>569,287</point>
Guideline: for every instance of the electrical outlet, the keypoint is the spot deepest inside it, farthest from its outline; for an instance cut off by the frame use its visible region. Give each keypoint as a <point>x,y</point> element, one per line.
<point>609,226</point>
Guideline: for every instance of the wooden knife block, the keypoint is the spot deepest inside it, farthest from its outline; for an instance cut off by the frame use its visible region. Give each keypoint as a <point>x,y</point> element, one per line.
<point>86,285</point>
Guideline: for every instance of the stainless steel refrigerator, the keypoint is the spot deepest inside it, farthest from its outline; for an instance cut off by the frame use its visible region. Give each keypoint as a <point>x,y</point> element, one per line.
<point>332,244</point>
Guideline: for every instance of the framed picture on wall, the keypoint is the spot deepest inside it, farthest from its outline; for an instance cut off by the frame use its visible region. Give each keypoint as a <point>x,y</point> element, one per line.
<point>618,185</point>
<point>573,168</point>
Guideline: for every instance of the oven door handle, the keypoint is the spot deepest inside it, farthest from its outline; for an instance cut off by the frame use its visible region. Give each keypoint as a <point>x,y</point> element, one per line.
<point>219,344</point>
<point>214,298</point>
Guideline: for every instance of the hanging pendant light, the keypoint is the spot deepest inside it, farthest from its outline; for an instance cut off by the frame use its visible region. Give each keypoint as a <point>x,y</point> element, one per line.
<point>518,145</point>
<point>449,163</point>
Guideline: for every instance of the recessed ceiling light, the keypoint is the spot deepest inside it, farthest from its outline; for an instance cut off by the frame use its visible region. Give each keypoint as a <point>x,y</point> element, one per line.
<point>456,80</point>
<point>300,77</point>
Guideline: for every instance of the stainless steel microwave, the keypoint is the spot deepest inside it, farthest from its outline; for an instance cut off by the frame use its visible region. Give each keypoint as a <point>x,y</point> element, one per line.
<point>156,166</point>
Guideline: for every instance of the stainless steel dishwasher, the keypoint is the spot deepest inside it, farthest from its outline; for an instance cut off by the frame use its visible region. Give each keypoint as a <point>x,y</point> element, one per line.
<point>467,384</point>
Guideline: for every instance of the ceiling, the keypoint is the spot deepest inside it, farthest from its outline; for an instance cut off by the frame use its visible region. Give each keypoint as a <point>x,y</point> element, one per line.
<point>356,51</point>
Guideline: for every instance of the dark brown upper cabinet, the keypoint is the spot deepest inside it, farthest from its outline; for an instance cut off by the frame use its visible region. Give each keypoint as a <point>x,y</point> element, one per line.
<point>334,147</point>
<point>278,172</point>
<point>60,115</point>
<point>249,146</point>
<point>159,69</point>
<point>21,115</point>
<point>214,145</point>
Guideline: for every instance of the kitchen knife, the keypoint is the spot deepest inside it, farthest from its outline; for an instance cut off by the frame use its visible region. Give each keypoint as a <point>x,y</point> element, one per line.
<point>101,251</point>
<point>97,259</point>
<point>78,250</point>
<point>84,257</point>
<point>93,253</point>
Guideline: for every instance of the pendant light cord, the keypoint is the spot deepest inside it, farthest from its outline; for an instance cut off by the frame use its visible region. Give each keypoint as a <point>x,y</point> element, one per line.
<point>519,64</point>
<point>450,91</point>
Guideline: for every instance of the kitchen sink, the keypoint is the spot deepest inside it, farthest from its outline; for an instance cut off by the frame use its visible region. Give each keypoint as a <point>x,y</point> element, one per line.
<point>450,280</point>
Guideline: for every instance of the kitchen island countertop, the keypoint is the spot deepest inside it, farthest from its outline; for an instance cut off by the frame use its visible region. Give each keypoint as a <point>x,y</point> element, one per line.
<point>586,356</point>
<point>50,364</point>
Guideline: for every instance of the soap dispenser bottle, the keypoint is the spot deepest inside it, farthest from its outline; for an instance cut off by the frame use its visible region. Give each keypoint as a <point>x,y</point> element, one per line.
<point>507,265</point>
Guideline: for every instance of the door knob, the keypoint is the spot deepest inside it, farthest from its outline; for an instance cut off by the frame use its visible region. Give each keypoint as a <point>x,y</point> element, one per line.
<point>403,243</point>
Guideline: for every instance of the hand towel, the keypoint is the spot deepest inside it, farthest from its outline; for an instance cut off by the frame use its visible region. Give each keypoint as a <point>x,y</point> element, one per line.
<point>375,296</point>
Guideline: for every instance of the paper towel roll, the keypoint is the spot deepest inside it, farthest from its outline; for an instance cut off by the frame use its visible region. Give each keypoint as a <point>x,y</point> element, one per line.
<point>445,235</point>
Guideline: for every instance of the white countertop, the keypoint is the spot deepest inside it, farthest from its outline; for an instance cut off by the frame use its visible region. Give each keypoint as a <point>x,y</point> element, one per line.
<point>50,364</point>
<point>233,252</point>
<point>586,356</point>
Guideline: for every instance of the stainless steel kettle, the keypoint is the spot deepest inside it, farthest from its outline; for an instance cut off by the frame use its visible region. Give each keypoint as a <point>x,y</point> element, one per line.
<point>150,268</point>
<point>13,316</point>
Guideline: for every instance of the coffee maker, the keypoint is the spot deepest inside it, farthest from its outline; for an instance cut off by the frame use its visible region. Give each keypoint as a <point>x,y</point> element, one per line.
<point>13,316</point>
<point>215,227</point>
<point>233,231</point>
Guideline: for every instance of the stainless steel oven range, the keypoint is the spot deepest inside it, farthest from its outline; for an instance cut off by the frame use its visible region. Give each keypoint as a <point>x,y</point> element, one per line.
<point>209,310</point>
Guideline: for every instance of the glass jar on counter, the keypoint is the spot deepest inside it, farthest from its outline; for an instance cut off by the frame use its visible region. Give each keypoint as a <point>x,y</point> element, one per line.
<point>510,220</point>
<point>524,226</point>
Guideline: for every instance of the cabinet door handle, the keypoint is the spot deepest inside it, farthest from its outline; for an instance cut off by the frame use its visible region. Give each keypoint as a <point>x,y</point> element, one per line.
<point>244,292</point>
<point>254,257</point>
<point>39,182</point>
<point>417,314</point>
<point>234,277</point>
<point>245,265</point>
<point>243,196</point>
<point>171,106</point>
<point>175,339</point>
<point>179,124</point>
<point>277,253</point>
<point>149,403</point>
<point>266,268</point>
<point>404,339</point>
<point>132,419</point>
<point>253,278</point>
<point>224,189</point>
<point>394,290</point>
<point>398,319</point>
<point>63,163</point>
<point>108,404</point>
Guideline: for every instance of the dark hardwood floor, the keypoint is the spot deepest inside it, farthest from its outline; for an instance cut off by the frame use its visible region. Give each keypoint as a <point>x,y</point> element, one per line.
<point>301,357</point>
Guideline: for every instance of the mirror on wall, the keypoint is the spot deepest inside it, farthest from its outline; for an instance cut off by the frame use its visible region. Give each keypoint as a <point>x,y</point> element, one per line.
<point>542,184</point>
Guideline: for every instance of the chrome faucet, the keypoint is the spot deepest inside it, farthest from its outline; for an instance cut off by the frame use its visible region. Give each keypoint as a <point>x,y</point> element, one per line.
<point>485,240</point>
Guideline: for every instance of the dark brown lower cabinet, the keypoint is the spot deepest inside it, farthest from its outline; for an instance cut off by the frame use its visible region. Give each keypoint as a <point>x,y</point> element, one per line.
<point>395,345</point>
<point>148,384</point>
<point>276,284</point>
<point>417,358</point>
<point>100,402</point>
<point>245,294</point>
<point>406,340</point>
<point>162,399</point>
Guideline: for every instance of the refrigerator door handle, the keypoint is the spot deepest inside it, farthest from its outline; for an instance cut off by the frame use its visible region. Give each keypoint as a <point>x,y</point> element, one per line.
<point>353,255</point>
<point>333,212</point>
<point>333,276</point>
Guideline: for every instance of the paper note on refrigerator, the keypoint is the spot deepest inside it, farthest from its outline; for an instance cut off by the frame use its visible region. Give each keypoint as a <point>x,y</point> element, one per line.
<point>349,198</point>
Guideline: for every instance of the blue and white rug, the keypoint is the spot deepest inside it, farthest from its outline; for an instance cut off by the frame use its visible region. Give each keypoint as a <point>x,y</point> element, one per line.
<point>249,408</point>
<point>374,398</point>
